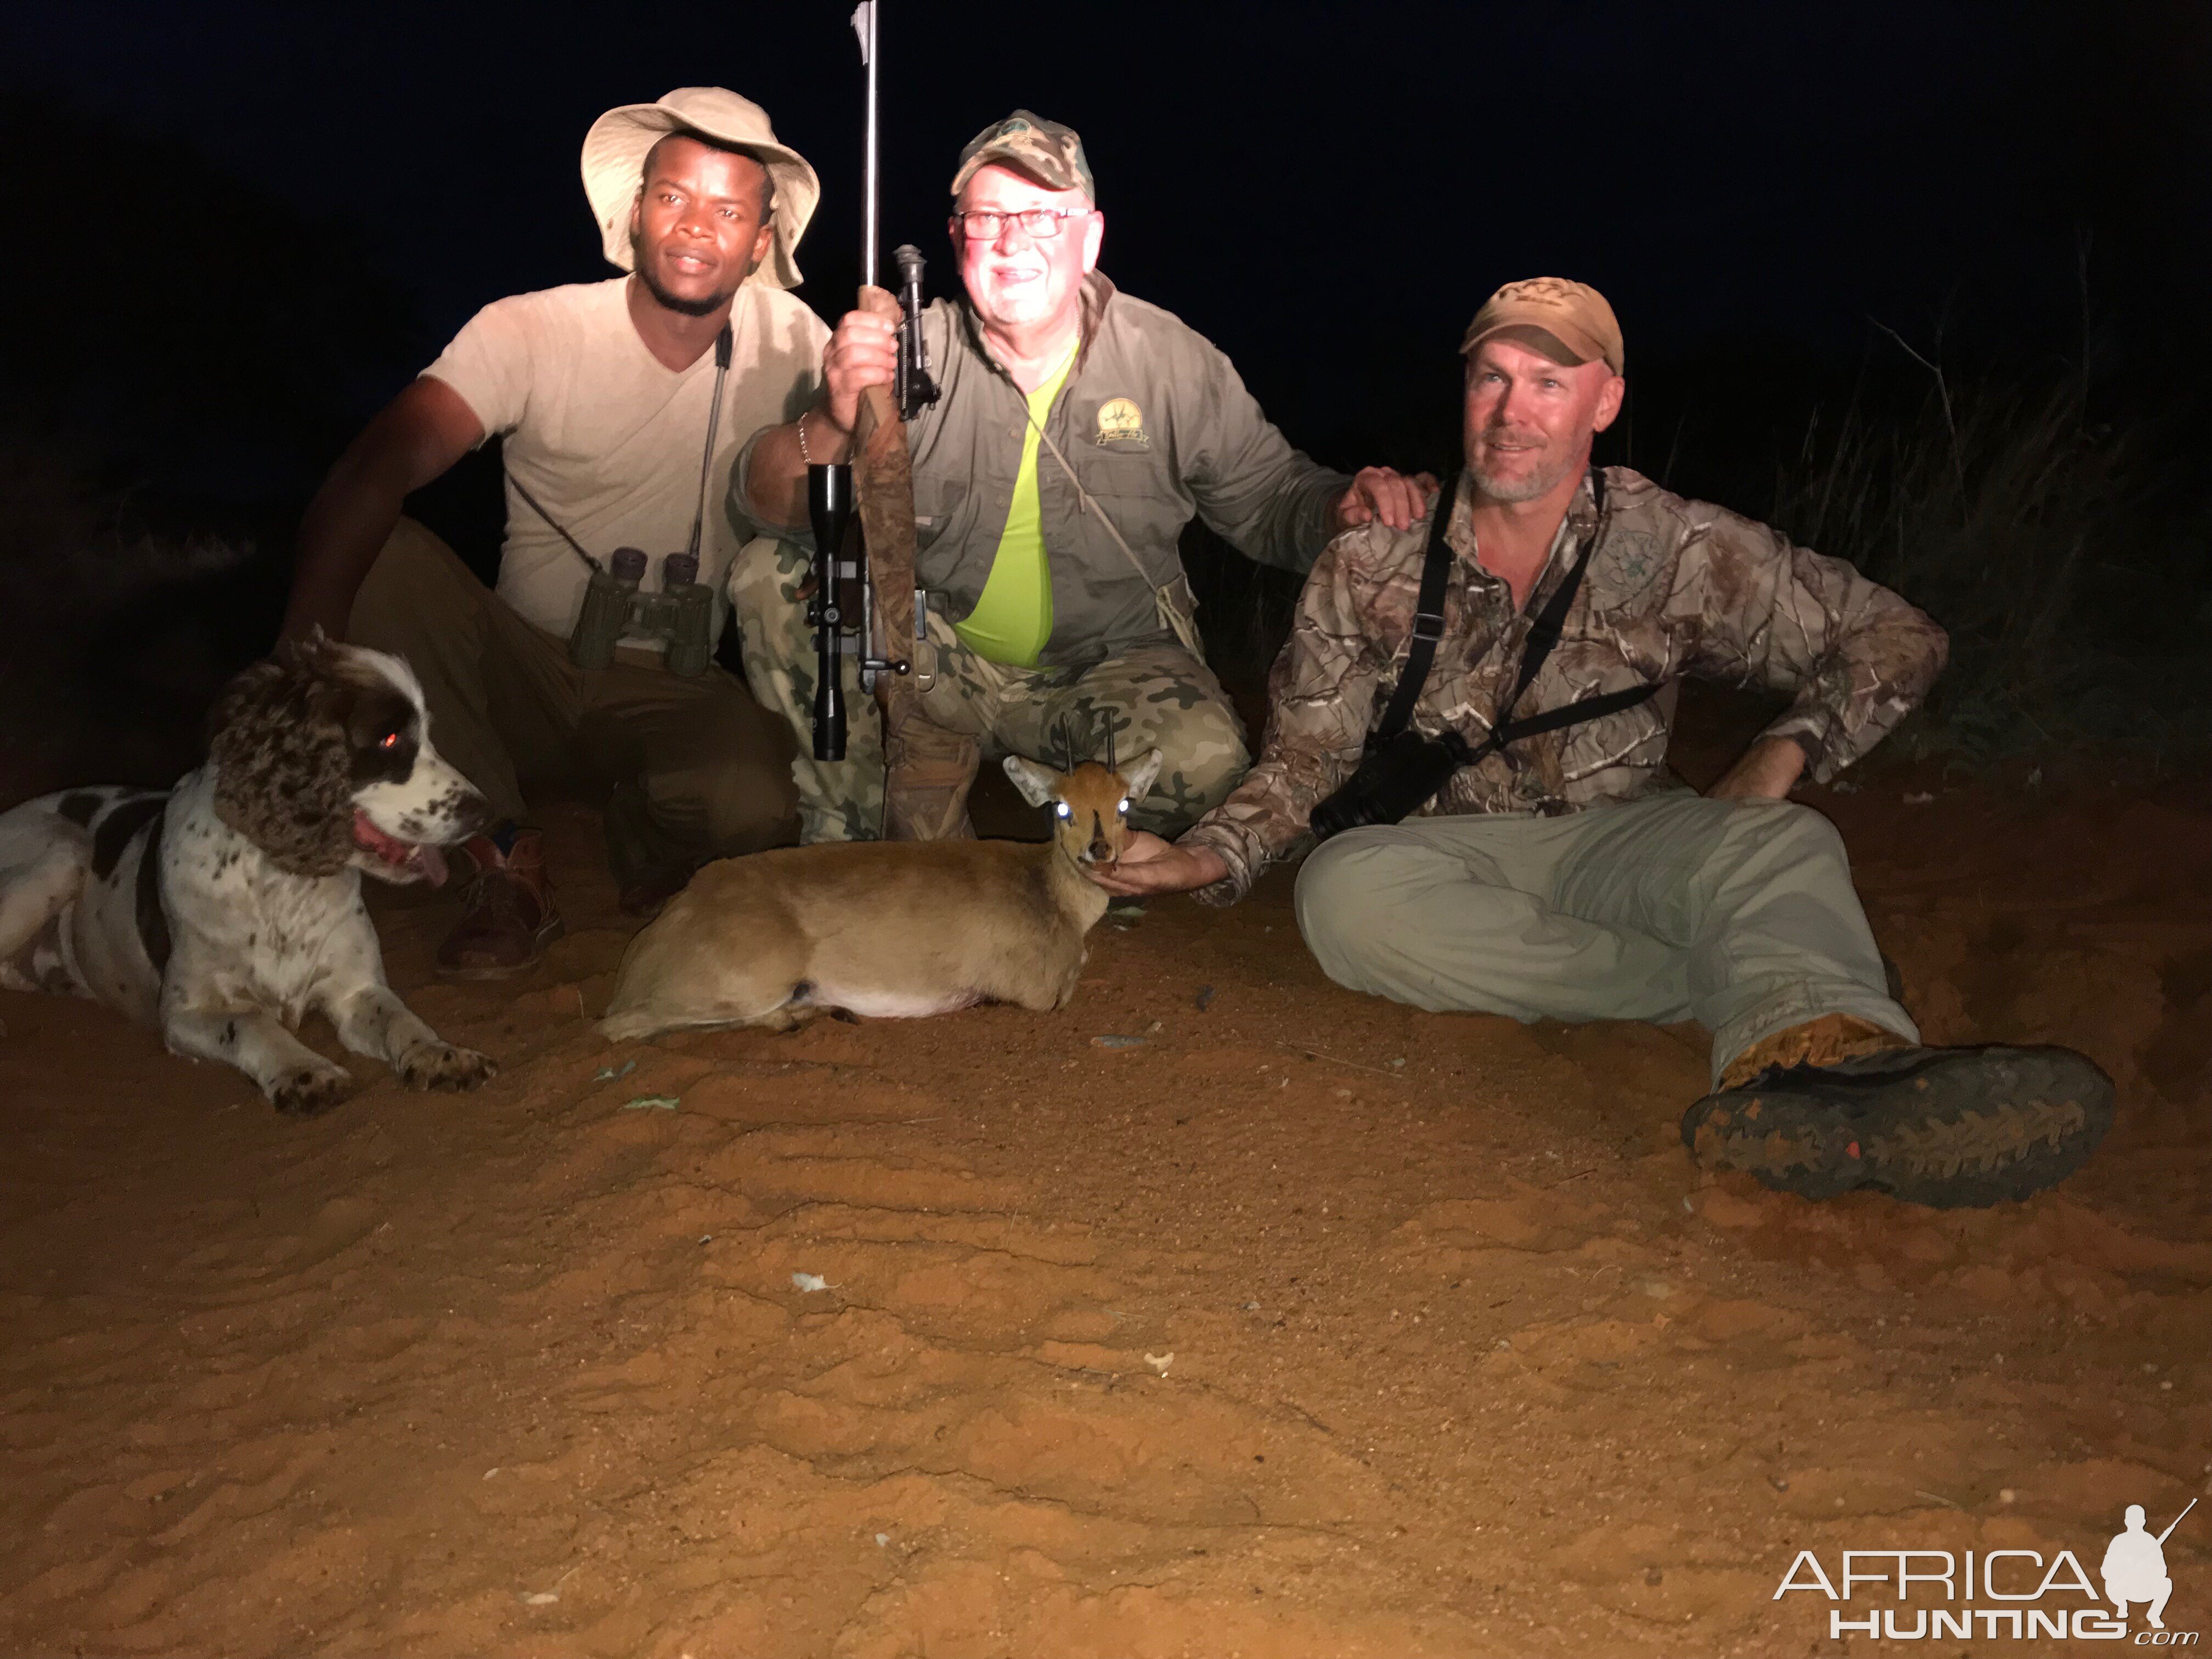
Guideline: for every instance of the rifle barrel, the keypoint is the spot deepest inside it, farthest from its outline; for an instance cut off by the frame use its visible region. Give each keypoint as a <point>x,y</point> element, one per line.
<point>2176,1521</point>
<point>868,164</point>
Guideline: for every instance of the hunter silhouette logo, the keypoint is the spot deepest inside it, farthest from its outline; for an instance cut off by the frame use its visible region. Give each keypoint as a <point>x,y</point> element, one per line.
<point>2014,1594</point>
<point>2135,1566</point>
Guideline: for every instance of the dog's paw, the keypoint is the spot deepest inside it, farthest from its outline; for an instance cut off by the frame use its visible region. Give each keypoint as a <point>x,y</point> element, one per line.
<point>308,1091</point>
<point>444,1066</point>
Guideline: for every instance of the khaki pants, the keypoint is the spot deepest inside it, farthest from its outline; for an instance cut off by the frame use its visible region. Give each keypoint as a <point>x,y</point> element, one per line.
<point>1157,697</point>
<point>689,769</point>
<point>1738,914</point>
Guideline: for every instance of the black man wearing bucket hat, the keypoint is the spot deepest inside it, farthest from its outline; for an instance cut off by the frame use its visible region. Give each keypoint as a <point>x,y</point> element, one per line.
<point>622,404</point>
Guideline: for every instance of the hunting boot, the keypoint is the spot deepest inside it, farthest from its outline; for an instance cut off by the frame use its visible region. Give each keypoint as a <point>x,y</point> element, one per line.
<point>508,917</point>
<point>1839,1103</point>
<point>927,773</point>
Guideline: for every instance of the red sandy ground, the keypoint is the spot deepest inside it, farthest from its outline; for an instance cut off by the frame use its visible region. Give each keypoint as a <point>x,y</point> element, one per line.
<point>1466,1359</point>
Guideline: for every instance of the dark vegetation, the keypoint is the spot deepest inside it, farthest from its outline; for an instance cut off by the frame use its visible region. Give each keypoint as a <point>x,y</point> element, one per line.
<point>177,372</point>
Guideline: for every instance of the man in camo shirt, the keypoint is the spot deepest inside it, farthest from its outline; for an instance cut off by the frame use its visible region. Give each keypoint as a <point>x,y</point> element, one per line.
<point>1568,875</point>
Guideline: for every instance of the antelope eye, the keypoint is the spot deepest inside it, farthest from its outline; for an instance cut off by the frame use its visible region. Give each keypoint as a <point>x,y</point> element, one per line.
<point>389,740</point>
<point>1122,807</point>
<point>1063,809</point>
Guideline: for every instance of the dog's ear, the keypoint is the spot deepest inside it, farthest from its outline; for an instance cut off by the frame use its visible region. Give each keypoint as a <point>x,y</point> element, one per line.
<point>283,772</point>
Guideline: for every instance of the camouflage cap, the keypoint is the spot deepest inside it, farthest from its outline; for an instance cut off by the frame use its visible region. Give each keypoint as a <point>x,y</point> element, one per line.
<point>1568,322</point>
<point>1044,150</point>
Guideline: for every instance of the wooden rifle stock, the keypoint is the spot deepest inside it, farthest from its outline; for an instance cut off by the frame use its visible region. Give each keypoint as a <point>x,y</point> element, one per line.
<point>883,484</point>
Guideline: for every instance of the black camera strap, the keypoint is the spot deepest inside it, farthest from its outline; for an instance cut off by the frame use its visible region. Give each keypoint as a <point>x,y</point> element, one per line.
<point>1543,634</point>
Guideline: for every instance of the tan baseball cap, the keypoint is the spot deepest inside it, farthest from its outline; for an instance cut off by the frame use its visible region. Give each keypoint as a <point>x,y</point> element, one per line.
<point>1568,322</point>
<point>614,168</point>
<point>1044,150</point>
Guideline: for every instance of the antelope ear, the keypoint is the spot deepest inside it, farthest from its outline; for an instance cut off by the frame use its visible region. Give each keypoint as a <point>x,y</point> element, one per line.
<point>1038,784</point>
<point>1138,779</point>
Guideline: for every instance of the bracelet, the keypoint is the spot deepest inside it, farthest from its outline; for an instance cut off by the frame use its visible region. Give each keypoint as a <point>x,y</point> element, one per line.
<point>801,424</point>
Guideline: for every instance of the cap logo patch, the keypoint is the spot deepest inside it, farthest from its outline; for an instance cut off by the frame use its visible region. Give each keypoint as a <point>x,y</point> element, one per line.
<point>1121,425</point>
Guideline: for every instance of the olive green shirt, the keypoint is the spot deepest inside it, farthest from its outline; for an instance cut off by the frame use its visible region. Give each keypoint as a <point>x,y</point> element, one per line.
<point>1160,430</point>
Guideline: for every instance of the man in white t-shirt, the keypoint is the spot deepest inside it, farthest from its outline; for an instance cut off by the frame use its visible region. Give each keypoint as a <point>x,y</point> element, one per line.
<point>608,396</point>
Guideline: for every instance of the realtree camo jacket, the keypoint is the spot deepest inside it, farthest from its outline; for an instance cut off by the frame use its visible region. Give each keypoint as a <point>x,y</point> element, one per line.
<point>1673,587</point>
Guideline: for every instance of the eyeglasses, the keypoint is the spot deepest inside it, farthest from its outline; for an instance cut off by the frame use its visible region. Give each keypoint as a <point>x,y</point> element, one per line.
<point>1040,224</point>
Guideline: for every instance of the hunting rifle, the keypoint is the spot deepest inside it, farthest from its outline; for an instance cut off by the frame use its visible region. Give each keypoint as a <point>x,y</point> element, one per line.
<point>893,606</point>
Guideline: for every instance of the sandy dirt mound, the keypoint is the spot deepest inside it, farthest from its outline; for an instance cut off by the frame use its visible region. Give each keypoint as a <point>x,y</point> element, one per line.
<point>1302,1325</point>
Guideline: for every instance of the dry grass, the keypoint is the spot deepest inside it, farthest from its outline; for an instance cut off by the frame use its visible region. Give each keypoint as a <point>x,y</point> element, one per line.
<point>2072,590</point>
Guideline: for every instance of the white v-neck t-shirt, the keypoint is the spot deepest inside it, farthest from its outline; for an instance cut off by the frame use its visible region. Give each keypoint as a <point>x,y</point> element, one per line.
<point>609,439</point>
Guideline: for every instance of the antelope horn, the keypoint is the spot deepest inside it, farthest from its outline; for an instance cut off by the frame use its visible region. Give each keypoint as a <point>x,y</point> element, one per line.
<point>1110,767</point>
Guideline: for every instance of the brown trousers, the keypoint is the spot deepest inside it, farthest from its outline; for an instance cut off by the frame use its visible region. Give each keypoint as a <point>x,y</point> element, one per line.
<point>687,769</point>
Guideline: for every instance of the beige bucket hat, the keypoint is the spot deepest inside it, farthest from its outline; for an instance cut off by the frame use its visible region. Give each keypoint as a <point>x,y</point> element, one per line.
<point>614,163</point>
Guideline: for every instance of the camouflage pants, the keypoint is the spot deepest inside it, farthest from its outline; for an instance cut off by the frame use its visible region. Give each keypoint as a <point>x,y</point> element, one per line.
<point>1151,697</point>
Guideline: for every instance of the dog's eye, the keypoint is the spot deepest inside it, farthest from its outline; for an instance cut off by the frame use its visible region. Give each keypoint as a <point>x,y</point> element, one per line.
<point>389,740</point>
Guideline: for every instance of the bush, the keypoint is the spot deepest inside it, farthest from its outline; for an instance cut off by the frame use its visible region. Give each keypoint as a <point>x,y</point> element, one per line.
<point>2071,588</point>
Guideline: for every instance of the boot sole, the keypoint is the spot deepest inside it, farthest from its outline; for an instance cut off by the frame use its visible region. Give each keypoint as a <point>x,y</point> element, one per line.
<point>1967,1130</point>
<point>553,929</point>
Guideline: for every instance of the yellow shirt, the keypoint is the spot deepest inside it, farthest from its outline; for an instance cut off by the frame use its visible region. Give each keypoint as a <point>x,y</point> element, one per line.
<point>1012,617</point>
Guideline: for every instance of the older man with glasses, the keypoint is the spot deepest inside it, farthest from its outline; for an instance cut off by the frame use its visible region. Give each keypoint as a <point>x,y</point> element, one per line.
<point>1079,430</point>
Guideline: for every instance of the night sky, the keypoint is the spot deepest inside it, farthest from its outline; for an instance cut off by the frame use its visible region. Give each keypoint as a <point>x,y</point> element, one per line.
<point>1327,192</point>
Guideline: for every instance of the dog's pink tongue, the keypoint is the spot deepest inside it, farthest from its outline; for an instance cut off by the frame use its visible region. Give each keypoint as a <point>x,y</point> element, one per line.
<point>430,861</point>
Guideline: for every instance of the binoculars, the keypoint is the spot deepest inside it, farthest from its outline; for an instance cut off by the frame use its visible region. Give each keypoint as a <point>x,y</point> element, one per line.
<point>681,613</point>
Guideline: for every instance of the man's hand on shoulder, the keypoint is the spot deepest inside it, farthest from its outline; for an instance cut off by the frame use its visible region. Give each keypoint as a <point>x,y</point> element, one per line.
<point>1768,770</point>
<point>1149,865</point>
<point>862,352</point>
<point>1383,493</point>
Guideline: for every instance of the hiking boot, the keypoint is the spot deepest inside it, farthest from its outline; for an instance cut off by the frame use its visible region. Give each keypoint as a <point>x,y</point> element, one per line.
<point>509,919</point>
<point>1821,1041</point>
<point>1951,1128</point>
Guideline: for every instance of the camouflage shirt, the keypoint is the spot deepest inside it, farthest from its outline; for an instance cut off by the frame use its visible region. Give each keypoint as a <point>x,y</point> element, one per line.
<point>1673,587</point>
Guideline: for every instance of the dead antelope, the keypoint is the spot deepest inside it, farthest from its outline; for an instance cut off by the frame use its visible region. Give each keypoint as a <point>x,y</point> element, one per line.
<point>893,929</point>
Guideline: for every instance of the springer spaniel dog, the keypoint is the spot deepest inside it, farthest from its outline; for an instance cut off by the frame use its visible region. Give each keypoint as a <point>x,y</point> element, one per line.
<point>221,911</point>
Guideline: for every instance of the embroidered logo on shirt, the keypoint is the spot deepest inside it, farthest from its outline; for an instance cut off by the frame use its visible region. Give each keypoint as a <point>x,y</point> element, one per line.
<point>1121,425</point>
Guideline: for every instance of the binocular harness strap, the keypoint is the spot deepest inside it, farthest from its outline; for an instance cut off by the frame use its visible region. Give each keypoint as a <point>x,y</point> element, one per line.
<point>1543,633</point>
<point>1428,617</point>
